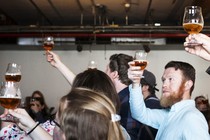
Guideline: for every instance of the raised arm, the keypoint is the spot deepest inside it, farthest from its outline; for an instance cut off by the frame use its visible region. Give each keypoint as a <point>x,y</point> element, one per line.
<point>56,62</point>
<point>203,50</point>
<point>136,98</point>
<point>151,117</point>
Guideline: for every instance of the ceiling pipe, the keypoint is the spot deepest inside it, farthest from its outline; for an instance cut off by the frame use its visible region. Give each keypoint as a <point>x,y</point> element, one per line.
<point>144,35</point>
<point>97,31</point>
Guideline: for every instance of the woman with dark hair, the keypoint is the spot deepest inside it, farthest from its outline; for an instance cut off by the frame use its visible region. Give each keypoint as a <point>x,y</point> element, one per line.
<point>99,81</point>
<point>37,108</point>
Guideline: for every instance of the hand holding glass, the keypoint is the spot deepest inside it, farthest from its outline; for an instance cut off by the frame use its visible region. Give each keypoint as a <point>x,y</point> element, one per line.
<point>10,98</point>
<point>10,95</point>
<point>140,59</point>
<point>193,22</point>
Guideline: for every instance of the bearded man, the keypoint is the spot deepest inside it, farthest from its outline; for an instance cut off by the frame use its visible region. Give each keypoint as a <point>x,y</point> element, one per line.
<point>179,120</point>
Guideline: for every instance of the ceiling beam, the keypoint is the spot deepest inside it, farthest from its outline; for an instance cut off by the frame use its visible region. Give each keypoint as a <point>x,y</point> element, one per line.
<point>40,12</point>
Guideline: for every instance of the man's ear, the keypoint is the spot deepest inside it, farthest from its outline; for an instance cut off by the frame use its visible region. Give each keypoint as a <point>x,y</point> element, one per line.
<point>188,84</point>
<point>146,86</point>
<point>115,74</point>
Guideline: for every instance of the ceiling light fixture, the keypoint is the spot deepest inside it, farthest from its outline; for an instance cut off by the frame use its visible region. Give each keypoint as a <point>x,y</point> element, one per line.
<point>157,24</point>
<point>127,5</point>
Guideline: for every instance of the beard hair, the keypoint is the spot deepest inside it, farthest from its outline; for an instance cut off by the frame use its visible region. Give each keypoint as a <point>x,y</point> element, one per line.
<point>173,98</point>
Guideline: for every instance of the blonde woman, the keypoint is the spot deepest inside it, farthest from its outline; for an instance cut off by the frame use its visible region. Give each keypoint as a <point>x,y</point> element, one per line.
<point>90,115</point>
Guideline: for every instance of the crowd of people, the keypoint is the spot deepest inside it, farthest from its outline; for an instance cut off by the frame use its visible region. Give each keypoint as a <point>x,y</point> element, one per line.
<point>119,104</point>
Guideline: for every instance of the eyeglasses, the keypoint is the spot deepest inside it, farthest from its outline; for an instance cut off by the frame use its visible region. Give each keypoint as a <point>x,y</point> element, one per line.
<point>35,99</point>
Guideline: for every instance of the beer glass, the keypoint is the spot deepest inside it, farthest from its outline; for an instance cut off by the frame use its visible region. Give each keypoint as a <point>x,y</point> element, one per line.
<point>48,43</point>
<point>13,72</point>
<point>140,59</point>
<point>10,98</point>
<point>92,64</point>
<point>193,22</point>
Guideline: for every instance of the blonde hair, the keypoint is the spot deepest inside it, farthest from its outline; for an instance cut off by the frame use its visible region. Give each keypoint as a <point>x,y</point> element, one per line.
<point>89,116</point>
<point>61,106</point>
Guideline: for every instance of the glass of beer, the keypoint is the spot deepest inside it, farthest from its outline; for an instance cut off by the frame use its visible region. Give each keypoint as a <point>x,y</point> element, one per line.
<point>140,59</point>
<point>13,72</point>
<point>10,97</point>
<point>92,64</point>
<point>193,22</point>
<point>48,43</point>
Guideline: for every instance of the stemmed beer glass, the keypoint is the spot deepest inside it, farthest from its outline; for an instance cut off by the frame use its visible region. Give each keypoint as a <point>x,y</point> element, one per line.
<point>13,72</point>
<point>10,97</point>
<point>193,22</point>
<point>48,43</point>
<point>140,59</point>
<point>92,64</point>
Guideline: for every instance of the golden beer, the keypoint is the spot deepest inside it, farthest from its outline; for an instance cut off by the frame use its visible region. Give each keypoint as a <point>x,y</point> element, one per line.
<point>13,77</point>
<point>92,68</point>
<point>192,28</point>
<point>10,103</point>
<point>48,46</point>
<point>141,63</point>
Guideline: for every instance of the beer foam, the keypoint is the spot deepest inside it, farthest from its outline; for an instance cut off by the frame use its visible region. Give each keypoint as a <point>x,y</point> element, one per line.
<point>15,97</point>
<point>12,73</point>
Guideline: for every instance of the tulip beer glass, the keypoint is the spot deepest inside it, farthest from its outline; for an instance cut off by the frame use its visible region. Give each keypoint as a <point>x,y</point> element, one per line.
<point>92,64</point>
<point>13,72</point>
<point>10,96</point>
<point>193,21</point>
<point>48,43</point>
<point>140,59</point>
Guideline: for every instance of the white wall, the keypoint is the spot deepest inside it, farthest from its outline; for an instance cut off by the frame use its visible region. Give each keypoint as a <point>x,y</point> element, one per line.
<point>37,74</point>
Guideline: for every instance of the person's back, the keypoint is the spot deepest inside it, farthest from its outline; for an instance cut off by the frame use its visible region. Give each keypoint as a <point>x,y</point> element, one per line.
<point>117,70</point>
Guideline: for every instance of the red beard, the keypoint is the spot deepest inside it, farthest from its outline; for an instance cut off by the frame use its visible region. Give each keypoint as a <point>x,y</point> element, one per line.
<point>173,98</point>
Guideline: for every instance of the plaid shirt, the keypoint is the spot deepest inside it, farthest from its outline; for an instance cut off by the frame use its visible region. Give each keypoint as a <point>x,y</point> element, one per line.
<point>132,126</point>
